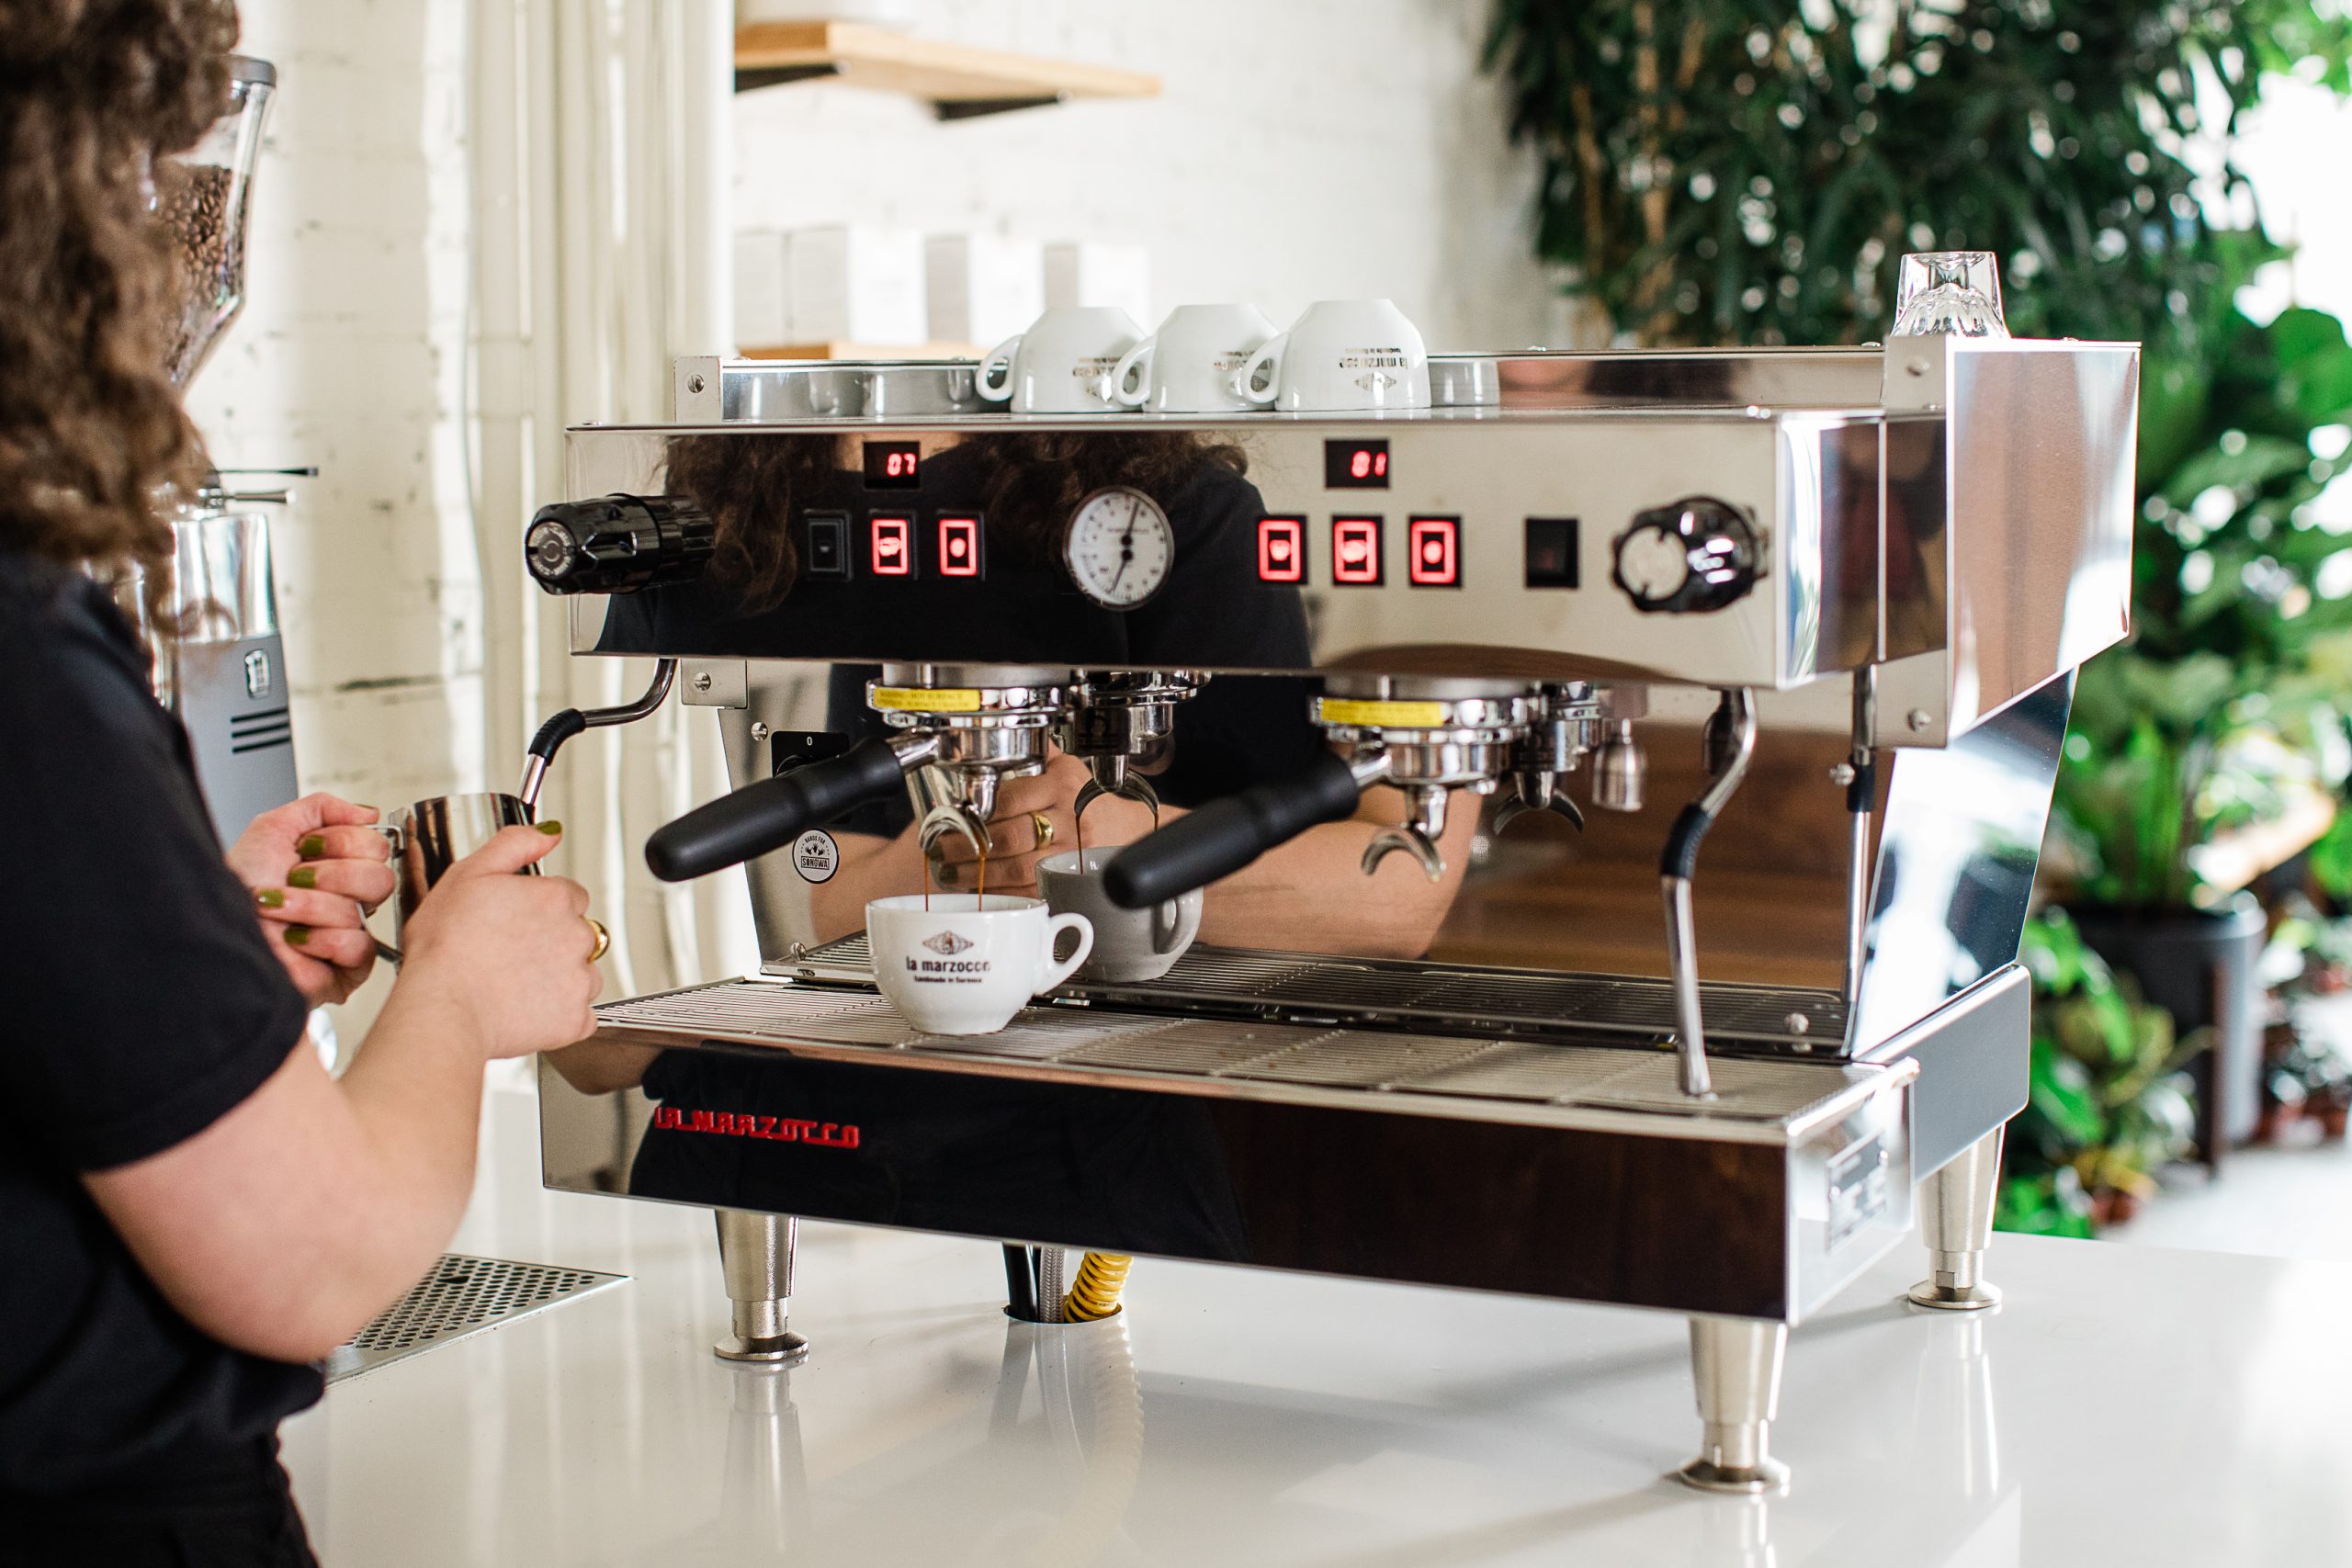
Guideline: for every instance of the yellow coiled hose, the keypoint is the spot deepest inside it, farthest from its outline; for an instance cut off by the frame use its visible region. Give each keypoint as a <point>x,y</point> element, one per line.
<point>1095,1292</point>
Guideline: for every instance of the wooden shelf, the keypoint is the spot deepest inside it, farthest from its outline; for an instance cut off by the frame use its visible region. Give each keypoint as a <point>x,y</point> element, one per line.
<point>957,80</point>
<point>863,351</point>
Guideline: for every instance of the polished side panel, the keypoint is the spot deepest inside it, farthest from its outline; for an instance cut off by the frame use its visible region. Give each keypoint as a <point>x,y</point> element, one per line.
<point>1972,1060</point>
<point>1961,837</point>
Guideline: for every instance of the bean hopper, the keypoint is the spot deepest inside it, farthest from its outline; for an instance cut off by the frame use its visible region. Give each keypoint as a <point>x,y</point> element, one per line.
<point>1498,611</point>
<point>224,674</point>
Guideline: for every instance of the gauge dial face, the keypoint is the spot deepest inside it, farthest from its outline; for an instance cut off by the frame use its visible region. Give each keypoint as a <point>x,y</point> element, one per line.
<point>1119,547</point>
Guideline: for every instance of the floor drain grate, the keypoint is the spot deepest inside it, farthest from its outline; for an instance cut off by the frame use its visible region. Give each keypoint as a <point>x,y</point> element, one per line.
<point>461,1295</point>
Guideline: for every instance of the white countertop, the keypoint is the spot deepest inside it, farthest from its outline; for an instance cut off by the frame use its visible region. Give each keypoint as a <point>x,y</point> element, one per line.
<point>2126,1406</point>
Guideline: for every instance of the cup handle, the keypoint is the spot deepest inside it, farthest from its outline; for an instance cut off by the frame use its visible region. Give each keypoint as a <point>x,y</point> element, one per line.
<point>1268,358</point>
<point>1137,359</point>
<point>399,840</point>
<point>1058,972</point>
<point>1167,920</point>
<point>996,360</point>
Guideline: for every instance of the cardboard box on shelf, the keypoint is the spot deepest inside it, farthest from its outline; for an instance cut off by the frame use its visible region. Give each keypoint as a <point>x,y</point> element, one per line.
<point>983,287</point>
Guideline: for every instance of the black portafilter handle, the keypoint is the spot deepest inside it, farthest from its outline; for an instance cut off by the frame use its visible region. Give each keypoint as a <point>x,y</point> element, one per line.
<point>1222,837</point>
<point>771,813</point>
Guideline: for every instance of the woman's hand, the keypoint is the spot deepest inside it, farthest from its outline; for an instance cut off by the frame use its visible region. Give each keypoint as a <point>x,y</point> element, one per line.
<point>502,955</point>
<point>315,867</point>
<point>1035,818</point>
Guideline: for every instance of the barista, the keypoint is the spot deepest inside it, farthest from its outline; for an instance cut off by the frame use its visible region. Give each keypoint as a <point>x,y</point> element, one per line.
<point>1213,611</point>
<point>191,1209</point>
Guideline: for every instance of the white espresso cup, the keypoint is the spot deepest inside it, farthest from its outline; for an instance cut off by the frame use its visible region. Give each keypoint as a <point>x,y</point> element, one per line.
<point>1342,354</point>
<point>1187,366</point>
<point>1062,364</point>
<point>1129,944</point>
<point>968,963</point>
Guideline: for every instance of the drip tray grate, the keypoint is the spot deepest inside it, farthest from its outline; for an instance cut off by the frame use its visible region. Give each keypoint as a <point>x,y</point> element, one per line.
<point>462,1295</point>
<point>1440,998</point>
<point>1598,1071</point>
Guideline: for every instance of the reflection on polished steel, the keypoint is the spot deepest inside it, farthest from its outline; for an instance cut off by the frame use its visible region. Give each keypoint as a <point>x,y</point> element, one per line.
<point>1356,633</point>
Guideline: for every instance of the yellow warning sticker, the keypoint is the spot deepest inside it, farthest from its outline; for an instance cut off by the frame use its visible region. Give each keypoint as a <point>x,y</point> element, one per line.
<point>1383,716</point>
<point>924,699</point>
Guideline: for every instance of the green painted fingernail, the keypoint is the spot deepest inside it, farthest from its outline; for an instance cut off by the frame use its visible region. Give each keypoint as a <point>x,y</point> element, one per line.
<point>302,877</point>
<point>550,827</point>
<point>298,935</point>
<point>312,846</point>
<point>271,898</point>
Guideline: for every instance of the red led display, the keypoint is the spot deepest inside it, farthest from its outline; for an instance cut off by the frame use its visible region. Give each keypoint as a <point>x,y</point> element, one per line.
<point>1435,555</point>
<point>1356,465</point>
<point>959,547</point>
<point>1355,551</point>
<point>893,542</point>
<point>1282,549</point>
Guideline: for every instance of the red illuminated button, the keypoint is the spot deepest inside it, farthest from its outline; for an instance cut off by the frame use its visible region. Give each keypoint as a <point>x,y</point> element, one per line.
<point>1282,549</point>
<point>1355,551</point>
<point>1436,555</point>
<point>959,547</point>
<point>893,542</point>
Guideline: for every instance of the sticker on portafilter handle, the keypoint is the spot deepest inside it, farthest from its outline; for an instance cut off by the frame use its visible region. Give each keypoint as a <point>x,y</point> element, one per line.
<point>816,856</point>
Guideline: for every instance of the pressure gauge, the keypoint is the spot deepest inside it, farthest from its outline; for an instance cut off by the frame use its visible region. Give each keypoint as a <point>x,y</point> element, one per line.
<point>1119,547</point>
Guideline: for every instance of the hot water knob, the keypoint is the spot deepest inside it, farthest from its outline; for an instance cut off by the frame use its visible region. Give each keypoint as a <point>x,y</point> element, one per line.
<point>1697,554</point>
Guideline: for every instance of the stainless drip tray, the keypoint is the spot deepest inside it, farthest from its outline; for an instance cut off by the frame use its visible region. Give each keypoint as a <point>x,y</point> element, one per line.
<point>1422,1071</point>
<point>1454,998</point>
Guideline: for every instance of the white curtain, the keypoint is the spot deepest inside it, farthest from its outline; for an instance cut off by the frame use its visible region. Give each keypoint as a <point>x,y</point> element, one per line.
<point>601,174</point>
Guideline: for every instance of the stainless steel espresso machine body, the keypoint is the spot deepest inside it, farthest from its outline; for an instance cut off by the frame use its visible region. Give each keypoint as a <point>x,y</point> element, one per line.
<point>1472,612</point>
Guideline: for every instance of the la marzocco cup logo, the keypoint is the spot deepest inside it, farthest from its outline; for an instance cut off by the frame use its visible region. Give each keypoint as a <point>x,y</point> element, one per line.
<point>947,968</point>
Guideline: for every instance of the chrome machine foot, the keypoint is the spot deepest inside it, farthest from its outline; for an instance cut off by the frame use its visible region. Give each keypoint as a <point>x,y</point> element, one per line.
<point>1736,1367</point>
<point>1956,1221</point>
<point>755,1256</point>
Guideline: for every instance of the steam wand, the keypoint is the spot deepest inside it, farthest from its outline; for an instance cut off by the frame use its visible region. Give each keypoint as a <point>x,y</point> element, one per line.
<point>1730,743</point>
<point>563,726</point>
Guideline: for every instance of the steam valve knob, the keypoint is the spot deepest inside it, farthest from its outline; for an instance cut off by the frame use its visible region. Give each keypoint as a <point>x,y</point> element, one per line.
<point>1695,554</point>
<point>617,544</point>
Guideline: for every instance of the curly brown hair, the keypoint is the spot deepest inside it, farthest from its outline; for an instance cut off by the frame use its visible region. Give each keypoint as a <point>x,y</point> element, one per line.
<point>93,437</point>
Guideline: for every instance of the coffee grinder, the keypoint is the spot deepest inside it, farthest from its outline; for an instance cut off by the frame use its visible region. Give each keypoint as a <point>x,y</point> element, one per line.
<point>224,673</point>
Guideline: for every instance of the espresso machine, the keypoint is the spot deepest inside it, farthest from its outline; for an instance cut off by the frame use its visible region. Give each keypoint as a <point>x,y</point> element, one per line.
<point>223,673</point>
<point>1488,608</point>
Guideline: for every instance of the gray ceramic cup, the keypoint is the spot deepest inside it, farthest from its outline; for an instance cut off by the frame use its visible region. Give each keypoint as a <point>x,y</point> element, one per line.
<point>1129,944</point>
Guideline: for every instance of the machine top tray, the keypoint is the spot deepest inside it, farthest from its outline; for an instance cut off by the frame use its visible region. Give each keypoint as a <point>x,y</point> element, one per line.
<point>1449,998</point>
<point>1472,1075</point>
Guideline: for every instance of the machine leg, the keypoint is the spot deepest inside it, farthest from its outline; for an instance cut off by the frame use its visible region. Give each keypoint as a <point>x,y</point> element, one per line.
<point>1736,1365</point>
<point>755,1256</point>
<point>1956,1221</point>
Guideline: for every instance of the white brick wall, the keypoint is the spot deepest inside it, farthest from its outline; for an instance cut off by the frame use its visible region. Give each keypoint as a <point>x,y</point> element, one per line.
<point>1300,149</point>
<point>349,356</point>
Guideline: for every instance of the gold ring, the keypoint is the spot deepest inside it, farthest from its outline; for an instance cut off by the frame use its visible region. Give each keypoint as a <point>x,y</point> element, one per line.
<point>603,938</point>
<point>1042,827</point>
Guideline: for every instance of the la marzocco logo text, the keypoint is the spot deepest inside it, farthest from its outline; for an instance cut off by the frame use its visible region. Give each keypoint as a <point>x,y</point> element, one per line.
<point>773,1129</point>
<point>947,966</point>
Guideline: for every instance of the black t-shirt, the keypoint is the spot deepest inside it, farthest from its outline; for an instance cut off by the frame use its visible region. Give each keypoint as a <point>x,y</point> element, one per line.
<point>139,1004</point>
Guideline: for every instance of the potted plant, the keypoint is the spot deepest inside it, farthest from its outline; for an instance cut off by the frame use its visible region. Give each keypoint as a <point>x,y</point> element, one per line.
<point>2107,1105</point>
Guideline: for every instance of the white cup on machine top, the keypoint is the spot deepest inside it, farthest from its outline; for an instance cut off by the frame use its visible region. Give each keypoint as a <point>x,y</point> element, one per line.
<point>1187,366</point>
<point>1062,364</point>
<point>966,963</point>
<point>1342,354</point>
